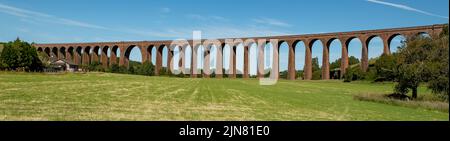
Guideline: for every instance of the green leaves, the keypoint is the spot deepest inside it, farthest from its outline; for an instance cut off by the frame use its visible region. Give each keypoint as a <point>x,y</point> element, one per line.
<point>19,55</point>
<point>424,60</point>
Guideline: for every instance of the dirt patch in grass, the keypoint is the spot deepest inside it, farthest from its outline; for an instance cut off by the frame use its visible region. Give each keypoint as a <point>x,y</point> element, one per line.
<point>403,101</point>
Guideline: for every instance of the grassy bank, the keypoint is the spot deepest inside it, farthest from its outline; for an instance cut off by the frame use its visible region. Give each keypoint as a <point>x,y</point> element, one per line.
<point>105,96</point>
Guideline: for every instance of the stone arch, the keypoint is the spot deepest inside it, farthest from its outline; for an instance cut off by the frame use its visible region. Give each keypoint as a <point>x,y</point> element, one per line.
<point>268,58</point>
<point>127,54</point>
<point>201,55</point>
<point>213,49</point>
<point>54,52</point>
<point>39,49</point>
<point>78,55</point>
<point>47,51</point>
<point>149,50</point>
<point>375,46</point>
<point>285,51</point>
<point>356,41</point>
<point>161,58</point>
<point>104,56</point>
<point>87,55</point>
<point>227,60</point>
<point>70,54</point>
<point>425,34</point>
<point>239,49</point>
<point>62,53</point>
<point>188,58</point>
<point>177,59</point>
<point>95,54</point>
<point>253,59</point>
<point>300,50</point>
<point>153,55</point>
<point>357,47</point>
<point>395,40</point>
<point>115,51</point>
<point>317,47</point>
<point>334,47</point>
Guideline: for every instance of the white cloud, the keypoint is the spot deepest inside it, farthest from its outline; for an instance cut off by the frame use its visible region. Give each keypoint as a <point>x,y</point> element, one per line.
<point>405,7</point>
<point>270,21</point>
<point>38,16</point>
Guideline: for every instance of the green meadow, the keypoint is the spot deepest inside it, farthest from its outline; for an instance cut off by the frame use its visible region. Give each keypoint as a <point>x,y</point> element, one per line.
<point>106,96</point>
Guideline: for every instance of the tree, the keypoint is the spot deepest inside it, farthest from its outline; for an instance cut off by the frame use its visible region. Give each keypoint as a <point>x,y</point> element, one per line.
<point>19,55</point>
<point>316,70</point>
<point>438,66</point>
<point>423,59</point>
<point>146,68</point>
<point>385,67</point>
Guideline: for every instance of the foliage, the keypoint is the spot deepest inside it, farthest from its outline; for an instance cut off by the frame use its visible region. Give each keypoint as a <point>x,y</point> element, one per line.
<point>131,97</point>
<point>354,73</point>
<point>145,68</point>
<point>316,70</point>
<point>424,59</point>
<point>385,67</point>
<point>19,55</point>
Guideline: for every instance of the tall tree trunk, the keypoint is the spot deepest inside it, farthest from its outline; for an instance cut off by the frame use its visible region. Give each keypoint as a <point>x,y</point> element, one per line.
<point>414,93</point>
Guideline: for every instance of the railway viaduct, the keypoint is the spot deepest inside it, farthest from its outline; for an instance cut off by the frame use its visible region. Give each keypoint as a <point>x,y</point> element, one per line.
<point>85,53</point>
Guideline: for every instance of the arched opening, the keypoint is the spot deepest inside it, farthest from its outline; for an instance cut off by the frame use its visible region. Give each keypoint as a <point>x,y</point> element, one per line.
<point>154,55</point>
<point>395,41</point>
<point>162,51</point>
<point>253,59</point>
<point>62,53</point>
<point>54,53</point>
<point>299,58</point>
<point>375,48</point>
<point>317,55</point>
<point>40,49</point>
<point>354,51</point>
<point>114,55</point>
<point>335,54</point>
<point>70,53</point>
<point>200,60</point>
<point>226,60</point>
<point>47,51</point>
<point>78,53</point>
<point>87,55</point>
<point>188,59</point>
<point>424,35</point>
<point>133,57</point>
<point>149,56</point>
<point>283,59</point>
<point>177,61</point>
<point>239,52</point>
<point>104,56</point>
<point>268,59</point>
<point>96,54</point>
<point>213,60</point>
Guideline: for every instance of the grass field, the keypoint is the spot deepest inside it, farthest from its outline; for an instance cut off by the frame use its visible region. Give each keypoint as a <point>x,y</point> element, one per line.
<point>105,96</point>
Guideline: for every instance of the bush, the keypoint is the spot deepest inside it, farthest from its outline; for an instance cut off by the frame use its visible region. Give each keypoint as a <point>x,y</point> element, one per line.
<point>145,68</point>
<point>403,100</point>
<point>353,74</point>
<point>19,55</point>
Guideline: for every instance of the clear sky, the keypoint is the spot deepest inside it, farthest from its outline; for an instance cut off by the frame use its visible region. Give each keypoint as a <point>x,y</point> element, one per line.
<point>51,21</point>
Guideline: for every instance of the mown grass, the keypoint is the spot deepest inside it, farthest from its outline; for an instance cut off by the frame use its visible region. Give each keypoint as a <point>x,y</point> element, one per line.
<point>420,102</point>
<point>105,96</point>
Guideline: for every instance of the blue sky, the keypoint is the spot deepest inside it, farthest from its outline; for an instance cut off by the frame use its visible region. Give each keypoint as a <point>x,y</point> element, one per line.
<point>50,21</point>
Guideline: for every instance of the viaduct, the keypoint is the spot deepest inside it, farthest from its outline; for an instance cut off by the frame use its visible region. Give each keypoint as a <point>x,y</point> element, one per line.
<point>85,53</point>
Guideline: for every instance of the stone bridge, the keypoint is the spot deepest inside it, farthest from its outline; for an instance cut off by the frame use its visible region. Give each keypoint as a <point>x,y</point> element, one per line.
<point>85,53</point>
